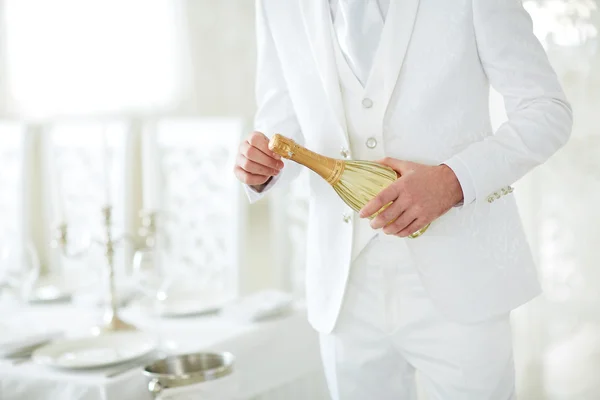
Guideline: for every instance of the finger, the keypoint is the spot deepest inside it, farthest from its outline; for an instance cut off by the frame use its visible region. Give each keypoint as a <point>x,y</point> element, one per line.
<point>261,142</point>
<point>401,223</point>
<point>255,154</point>
<point>387,195</point>
<point>248,178</point>
<point>412,228</point>
<point>254,167</point>
<point>400,166</point>
<point>391,213</point>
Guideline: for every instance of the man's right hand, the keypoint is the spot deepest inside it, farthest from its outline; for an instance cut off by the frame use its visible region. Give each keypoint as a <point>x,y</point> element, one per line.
<point>255,164</point>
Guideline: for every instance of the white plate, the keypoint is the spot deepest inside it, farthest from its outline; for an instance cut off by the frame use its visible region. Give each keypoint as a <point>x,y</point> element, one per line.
<point>186,307</point>
<point>94,352</point>
<point>53,288</point>
<point>185,304</point>
<point>49,294</point>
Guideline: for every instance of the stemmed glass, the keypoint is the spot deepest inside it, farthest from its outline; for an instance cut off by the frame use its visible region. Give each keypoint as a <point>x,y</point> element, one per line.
<point>19,268</point>
<point>149,279</point>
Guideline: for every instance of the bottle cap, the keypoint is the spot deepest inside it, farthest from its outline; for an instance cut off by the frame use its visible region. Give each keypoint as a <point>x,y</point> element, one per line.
<point>282,145</point>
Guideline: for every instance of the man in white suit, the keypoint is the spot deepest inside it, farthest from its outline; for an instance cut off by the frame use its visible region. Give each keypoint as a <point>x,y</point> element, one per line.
<point>407,82</point>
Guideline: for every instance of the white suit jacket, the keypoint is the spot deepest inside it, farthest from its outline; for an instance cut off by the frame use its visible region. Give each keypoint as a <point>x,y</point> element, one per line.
<point>438,59</point>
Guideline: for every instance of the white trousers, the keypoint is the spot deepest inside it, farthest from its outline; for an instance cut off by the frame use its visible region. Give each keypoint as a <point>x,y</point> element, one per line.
<point>389,328</point>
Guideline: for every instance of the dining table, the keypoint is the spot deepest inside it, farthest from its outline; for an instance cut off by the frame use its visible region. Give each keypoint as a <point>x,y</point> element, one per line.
<point>275,359</point>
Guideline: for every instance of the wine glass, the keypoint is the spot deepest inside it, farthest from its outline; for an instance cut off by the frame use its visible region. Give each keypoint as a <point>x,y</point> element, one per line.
<point>150,282</point>
<point>20,267</point>
<point>3,267</point>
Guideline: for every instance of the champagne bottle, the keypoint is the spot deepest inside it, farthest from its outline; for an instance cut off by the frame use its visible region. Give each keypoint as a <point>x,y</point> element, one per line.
<point>356,182</point>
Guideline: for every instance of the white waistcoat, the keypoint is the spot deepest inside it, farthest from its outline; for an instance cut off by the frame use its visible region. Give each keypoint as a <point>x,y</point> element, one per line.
<point>364,119</point>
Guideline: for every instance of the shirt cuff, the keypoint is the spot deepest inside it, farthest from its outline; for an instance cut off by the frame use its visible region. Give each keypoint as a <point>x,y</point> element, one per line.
<point>255,194</point>
<point>464,178</point>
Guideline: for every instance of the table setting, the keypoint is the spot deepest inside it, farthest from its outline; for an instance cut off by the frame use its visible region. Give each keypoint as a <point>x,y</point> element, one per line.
<point>147,335</point>
<point>47,352</point>
<point>122,312</point>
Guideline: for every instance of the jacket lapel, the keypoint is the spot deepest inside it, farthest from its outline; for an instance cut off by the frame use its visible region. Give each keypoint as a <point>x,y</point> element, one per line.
<point>394,43</point>
<point>317,22</point>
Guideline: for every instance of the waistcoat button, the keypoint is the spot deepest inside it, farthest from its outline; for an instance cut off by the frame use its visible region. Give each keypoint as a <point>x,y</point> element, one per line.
<point>367,103</point>
<point>371,143</point>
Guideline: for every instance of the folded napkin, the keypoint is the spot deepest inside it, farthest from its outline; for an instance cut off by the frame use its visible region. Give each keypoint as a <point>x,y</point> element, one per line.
<point>259,306</point>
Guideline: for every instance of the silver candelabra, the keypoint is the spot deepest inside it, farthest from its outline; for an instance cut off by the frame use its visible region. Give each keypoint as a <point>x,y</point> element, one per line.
<point>111,320</point>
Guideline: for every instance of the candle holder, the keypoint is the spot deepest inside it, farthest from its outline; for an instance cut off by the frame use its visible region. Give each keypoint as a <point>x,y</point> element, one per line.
<point>111,320</point>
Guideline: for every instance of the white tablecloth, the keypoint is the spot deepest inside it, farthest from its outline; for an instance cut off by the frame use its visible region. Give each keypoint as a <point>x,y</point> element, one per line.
<point>275,360</point>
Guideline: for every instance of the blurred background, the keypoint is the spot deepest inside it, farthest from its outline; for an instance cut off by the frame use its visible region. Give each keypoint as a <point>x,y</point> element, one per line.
<point>140,105</point>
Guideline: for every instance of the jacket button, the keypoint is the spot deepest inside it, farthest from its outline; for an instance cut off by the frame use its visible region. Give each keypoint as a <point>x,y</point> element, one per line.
<point>345,152</point>
<point>371,143</point>
<point>367,103</point>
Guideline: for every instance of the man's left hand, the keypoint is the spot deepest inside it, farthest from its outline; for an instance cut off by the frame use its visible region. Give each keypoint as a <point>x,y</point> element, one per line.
<point>421,194</point>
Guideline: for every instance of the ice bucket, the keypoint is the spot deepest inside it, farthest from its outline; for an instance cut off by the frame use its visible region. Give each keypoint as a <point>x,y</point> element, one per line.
<point>187,369</point>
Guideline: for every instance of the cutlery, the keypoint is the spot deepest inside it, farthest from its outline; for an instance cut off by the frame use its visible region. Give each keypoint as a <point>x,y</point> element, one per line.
<point>23,355</point>
<point>17,347</point>
<point>19,361</point>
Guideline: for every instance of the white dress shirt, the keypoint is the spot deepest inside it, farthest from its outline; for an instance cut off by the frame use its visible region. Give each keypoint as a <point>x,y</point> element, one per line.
<point>383,5</point>
<point>358,25</point>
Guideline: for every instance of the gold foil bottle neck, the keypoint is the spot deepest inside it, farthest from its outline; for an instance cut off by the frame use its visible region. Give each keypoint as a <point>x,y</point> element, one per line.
<point>328,168</point>
<point>282,146</point>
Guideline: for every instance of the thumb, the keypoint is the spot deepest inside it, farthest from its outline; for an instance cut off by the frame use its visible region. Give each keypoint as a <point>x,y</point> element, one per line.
<point>400,166</point>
